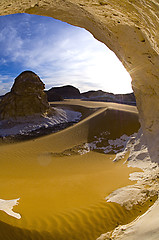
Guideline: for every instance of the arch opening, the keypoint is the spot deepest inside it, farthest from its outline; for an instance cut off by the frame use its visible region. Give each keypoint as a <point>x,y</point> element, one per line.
<point>60,54</point>
<point>129,30</point>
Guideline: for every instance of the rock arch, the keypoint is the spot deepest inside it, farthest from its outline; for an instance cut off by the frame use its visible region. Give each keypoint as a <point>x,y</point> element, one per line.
<point>130,29</point>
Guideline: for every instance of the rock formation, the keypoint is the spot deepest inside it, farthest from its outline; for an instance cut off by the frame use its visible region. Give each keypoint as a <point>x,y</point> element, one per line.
<point>94,94</point>
<point>71,92</point>
<point>100,95</point>
<point>26,97</point>
<point>67,91</point>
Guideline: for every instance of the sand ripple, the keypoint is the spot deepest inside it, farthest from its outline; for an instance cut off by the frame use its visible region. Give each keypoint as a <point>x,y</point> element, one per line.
<point>64,197</point>
<point>86,223</point>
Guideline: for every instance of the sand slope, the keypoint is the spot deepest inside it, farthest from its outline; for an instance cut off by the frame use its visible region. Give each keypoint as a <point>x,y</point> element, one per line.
<point>63,197</point>
<point>145,228</point>
<point>146,189</point>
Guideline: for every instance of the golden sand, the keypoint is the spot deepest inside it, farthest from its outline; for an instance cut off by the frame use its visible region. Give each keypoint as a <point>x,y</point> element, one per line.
<point>61,189</point>
<point>64,197</point>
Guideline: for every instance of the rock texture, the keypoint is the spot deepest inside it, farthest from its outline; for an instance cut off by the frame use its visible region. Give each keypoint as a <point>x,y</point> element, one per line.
<point>26,97</point>
<point>129,28</point>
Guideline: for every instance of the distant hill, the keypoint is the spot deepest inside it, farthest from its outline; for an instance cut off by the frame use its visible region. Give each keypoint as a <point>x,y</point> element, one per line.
<point>96,94</point>
<point>67,91</point>
<point>100,95</point>
<point>71,92</point>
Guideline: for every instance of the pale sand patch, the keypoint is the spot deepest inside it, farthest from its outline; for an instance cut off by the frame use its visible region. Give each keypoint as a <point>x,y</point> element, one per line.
<point>7,206</point>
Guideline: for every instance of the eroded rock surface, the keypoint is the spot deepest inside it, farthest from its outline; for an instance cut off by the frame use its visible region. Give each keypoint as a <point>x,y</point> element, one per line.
<point>26,98</point>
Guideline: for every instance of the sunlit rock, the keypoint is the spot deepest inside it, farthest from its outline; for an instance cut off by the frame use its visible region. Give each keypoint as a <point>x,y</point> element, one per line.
<point>26,98</point>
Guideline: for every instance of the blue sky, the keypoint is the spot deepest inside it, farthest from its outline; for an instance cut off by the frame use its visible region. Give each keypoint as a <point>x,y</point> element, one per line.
<point>59,53</point>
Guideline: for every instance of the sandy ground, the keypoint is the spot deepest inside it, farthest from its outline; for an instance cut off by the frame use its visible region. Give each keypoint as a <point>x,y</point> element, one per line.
<point>145,227</point>
<point>63,196</point>
<point>146,189</point>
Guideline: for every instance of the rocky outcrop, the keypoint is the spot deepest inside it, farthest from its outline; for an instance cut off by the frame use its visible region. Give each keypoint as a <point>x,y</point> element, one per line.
<point>109,97</point>
<point>94,94</point>
<point>130,29</point>
<point>67,91</point>
<point>100,95</point>
<point>129,97</point>
<point>71,92</point>
<point>26,98</point>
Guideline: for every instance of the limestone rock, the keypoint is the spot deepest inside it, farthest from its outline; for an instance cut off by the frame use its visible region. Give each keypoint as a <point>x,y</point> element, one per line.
<point>26,97</point>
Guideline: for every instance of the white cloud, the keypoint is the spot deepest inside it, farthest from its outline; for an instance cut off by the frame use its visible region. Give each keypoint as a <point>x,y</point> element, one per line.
<point>64,55</point>
<point>6,82</point>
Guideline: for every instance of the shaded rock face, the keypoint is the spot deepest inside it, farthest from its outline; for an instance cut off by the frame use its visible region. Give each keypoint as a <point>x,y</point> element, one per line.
<point>26,97</point>
<point>53,97</point>
<point>67,91</point>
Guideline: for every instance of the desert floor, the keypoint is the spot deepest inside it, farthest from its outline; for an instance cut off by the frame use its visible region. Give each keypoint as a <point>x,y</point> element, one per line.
<point>62,196</point>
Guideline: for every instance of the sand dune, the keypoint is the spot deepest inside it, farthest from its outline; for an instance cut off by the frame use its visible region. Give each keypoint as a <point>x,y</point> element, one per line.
<point>62,196</point>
